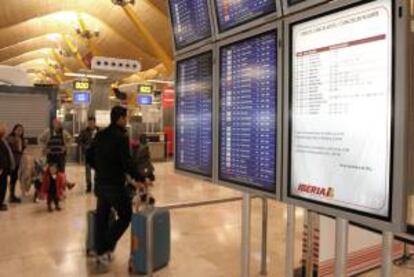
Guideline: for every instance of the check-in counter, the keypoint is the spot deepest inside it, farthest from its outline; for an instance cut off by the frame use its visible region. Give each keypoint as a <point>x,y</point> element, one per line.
<point>157,151</point>
<point>73,154</point>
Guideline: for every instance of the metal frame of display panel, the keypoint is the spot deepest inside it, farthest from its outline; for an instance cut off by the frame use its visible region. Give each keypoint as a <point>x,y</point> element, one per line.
<point>274,26</point>
<point>186,56</point>
<point>399,142</point>
<point>246,25</point>
<point>196,45</point>
<point>288,9</point>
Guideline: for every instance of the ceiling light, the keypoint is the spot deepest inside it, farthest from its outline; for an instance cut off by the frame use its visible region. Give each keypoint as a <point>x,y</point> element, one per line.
<point>161,82</point>
<point>101,77</point>
<point>73,74</point>
<point>82,75</point>
<point>54,37</point>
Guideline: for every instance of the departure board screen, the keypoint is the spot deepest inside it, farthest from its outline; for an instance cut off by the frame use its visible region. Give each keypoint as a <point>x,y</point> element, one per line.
<point>194,114</point>
<point>248,97</point>
<point>191,21</point>
<point>81,97</point>
<point>341,104</point>
<point>232,13</point>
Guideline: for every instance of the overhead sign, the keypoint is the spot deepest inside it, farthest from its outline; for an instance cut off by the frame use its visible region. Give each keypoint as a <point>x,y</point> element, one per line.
<point>81,85</point>
<point>144,100</point>
<point>145,89</point>
<point>81,97</point>
<point>342,109</point>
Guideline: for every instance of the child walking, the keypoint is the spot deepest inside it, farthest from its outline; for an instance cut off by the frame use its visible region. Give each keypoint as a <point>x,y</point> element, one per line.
<point>53,187</point>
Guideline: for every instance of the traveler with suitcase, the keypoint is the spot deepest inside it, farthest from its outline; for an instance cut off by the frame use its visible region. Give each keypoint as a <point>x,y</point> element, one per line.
<point>109,155</point>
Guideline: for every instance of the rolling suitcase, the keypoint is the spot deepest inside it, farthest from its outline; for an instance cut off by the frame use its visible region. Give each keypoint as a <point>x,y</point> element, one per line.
<point>91,232</point>
<point>159,238</point>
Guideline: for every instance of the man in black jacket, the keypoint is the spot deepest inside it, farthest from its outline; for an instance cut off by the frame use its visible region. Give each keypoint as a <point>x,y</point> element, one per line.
<point>112,161</point>
<point>85,141</point>
<point>7,164</point>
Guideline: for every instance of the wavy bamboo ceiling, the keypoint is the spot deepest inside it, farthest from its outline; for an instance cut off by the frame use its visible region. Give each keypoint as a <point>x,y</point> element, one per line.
<point>32,31</point>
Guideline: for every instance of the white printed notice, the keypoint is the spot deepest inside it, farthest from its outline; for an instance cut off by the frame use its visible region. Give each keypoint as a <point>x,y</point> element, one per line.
<point>341,108</point>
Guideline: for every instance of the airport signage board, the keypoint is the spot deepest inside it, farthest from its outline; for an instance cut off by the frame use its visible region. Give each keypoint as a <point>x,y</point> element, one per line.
<point>249,117</point>
<point>341,151</point>
<point>81,98</point>
<point>191,24</point>
<point>145,89</point>
<point>194,114</point>
<point>144,100</point>
<point>82,85</point>
<point>232,17</point>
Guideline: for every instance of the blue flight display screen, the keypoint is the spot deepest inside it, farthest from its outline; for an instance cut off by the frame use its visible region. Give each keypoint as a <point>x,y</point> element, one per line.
<point>248,97</point>
<point>191,21</point>
<point>144,100</point>
<point>234,13</point>
<point>81,97</point>
<point>194,108</point>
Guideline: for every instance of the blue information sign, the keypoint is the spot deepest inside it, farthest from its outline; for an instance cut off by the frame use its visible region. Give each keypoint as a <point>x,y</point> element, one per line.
<point>191,21</point>
<point>81,97</point>
<point>248,101</point>
<point>144,100</point>
<point>232,13</point>
<point>194,114</point>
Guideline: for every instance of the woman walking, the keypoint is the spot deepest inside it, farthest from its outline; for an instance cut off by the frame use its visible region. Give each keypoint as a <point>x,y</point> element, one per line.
<point>17,144</point>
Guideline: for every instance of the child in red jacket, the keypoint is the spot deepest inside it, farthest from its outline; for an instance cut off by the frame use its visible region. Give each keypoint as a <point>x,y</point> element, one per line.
<point>53,187</point>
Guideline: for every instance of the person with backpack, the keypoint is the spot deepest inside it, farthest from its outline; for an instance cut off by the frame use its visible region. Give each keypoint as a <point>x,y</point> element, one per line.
<point>54,141</point>
<point>142,158</point>
<point>85,140</point>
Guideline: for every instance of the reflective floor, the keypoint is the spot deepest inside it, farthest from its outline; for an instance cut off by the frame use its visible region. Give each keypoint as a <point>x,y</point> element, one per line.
<point>205,240</point>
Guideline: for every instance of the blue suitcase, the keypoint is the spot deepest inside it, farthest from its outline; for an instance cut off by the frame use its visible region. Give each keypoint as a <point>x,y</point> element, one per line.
<point>161,240</point>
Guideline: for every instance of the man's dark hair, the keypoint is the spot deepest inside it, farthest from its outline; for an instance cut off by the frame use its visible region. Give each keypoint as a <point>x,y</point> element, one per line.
<point>118,112</point>
<point>92,118</point>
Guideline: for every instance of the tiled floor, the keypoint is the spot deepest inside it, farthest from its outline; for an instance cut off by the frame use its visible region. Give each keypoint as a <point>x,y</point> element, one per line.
<point>205,240</point>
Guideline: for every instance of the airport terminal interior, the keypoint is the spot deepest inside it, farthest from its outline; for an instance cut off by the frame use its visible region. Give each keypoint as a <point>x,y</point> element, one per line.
<point>206,138</point>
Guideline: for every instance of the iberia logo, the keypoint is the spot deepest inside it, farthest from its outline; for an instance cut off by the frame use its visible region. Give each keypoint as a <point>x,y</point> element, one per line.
<point>328,192</point>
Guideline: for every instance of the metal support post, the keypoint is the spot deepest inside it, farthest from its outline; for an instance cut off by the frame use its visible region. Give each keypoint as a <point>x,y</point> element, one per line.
<point>387,243</point>
<point>341,247</point>
<point>290,241</point>
<point>245,247</point>
<point>265,211</point>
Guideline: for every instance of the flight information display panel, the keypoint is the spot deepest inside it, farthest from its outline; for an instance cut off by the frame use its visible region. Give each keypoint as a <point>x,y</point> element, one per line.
<point>190,21</point>
<point>194,114</point>
<point>341,109</point>
<point>231,14</point>
<point>248,112</point>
